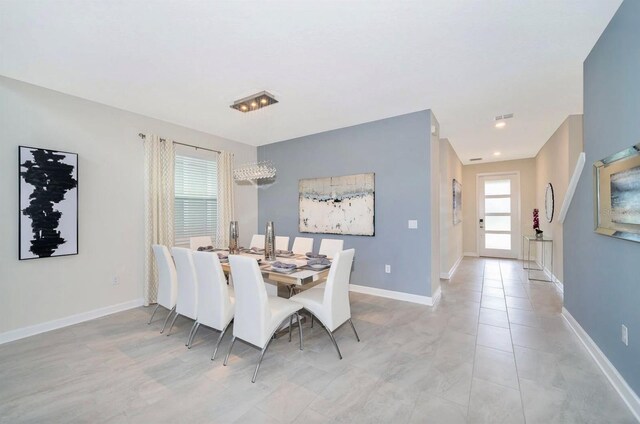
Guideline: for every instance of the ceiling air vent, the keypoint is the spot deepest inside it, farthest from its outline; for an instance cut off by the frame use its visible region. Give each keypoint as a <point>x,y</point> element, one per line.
<point>505,116</point>
<point>474,159</point>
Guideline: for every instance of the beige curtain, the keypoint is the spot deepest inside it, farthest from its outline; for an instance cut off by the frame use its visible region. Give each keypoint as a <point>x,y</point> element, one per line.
<point>225,198</point>
<point>159,194</point>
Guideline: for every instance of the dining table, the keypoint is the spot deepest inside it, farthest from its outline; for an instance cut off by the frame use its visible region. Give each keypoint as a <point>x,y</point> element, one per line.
<point>301,277</point>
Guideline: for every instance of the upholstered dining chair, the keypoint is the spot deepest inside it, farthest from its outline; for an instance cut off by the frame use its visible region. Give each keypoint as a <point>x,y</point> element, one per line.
<point>167,282</point>
<point>282,243</point>
<point>330,304</point>
<point>187,304</point>
<point>201,241</point>
<point>302,245</point>
<point>331,247</point>
<point>257,316</point>
<point>215,298</point>
<point>257,241</point>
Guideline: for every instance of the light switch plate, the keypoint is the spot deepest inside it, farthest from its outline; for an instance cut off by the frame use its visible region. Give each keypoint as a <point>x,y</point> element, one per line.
<point>413,224</point>
<point>387,269</point>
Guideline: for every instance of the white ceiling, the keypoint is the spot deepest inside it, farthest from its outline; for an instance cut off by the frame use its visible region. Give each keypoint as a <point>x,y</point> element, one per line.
<point>331,64</point>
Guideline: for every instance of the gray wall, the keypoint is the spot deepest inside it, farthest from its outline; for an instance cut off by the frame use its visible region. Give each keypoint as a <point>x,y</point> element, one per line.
<point>398,151</point>
<point>602,278</point>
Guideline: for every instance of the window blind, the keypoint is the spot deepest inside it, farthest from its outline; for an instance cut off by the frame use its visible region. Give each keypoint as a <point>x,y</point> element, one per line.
<point>196,203</point>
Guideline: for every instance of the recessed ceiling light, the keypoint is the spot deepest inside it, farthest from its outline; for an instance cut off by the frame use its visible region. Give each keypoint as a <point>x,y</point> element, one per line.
<point>501,124</point>
<point>496,153</point>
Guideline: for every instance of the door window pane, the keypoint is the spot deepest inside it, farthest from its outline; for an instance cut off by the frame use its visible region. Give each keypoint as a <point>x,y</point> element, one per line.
<point>497,241</point>
<point>497,205</point>
<point>497,187</point>
<point>497,223</point>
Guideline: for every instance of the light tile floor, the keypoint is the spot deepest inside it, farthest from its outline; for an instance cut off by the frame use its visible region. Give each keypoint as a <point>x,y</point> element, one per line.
<point>495,350</point>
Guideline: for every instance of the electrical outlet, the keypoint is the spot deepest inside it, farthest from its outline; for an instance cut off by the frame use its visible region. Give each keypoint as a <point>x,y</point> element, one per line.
<point>624,335</point>
<point>387,269</point>
<point>115,281</point>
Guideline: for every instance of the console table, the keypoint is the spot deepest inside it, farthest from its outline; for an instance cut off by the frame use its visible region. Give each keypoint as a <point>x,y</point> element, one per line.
<point>530,240</point>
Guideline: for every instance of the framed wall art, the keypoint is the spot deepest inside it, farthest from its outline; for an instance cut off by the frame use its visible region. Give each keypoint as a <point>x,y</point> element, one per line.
<point>338,205</point>
<point>48,202</point>
<point>457,202</point>
<point>617,194</point>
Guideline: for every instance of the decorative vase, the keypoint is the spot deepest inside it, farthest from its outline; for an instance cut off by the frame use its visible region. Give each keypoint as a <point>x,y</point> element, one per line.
<point>234,233</point>
<point>270,242</point>
<point>539,234</point>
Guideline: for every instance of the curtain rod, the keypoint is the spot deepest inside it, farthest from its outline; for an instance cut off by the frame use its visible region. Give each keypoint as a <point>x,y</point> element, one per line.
<point>144,136</point>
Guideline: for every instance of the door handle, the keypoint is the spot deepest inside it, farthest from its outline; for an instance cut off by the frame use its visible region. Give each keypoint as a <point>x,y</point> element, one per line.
<point>481,223</point>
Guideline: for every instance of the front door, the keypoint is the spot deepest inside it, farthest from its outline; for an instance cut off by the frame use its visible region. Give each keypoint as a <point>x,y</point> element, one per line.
<point>498,215</point>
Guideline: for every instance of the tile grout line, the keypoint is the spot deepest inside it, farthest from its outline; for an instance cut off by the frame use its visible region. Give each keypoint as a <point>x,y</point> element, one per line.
<point>513,348</point>
<point>475,346</point>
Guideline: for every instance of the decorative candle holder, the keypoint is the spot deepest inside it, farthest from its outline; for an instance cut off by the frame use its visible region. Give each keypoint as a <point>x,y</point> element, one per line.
<point>234,233</point>
<point>270,242</point>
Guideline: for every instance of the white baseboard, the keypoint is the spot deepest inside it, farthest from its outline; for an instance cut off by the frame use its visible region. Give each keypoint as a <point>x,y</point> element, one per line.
<point>626,393</point>
<point>556,280</point>
<point>552,277</point>
<point>472,254</point>
<point>407,297</point>
<point>32,330</point>
<point>448,275</point>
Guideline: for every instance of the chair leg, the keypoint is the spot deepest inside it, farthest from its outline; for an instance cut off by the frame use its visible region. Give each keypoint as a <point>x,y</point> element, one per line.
<point>172,322</point>
<point>167,319</point>
<point>190,333</point>
<point>153,314</point>
<point>226,358</point>
<point>311,320</point>
<point>290,322</point>
<point>299,329</point>
<point>193,335</point>
<point>354,330</point>
<point>332,339</point>
<point>222,333</point>
<point>264,350</point>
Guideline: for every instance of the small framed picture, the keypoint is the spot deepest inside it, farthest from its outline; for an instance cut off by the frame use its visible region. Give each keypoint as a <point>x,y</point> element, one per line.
<point>457,202</point>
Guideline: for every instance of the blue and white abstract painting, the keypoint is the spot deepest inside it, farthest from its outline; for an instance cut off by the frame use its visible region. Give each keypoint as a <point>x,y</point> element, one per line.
<point>625,196</point>
<point>337,205</point>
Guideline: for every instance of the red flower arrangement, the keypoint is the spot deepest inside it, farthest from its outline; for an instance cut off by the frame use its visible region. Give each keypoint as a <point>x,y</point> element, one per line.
<point>536,222</point>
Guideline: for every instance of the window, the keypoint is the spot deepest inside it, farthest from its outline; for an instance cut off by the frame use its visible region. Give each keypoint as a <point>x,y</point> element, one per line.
<point>196,197</point>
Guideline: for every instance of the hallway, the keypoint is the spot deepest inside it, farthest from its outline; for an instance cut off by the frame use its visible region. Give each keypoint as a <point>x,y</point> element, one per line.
<point>527,360</point>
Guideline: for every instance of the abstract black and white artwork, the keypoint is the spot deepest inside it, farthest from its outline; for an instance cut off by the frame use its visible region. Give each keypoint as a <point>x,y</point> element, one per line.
<point>48,199</point>
<point>457,202</point>
<point>338,205</point>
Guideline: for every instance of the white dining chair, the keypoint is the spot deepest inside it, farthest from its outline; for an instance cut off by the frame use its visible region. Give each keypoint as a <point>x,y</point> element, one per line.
<point>167,282</point>
<point>257,241</point>
<point>202,241</point>
<point>257,316</point>
<point>215,298</point>
<point>302,245</point>
<point>282,243</point>
<point>330,247</point>
<point>330,304</point>
<point>187,304</point>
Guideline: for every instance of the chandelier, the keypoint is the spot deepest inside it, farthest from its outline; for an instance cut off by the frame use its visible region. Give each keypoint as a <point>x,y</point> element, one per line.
<point>264,170</point>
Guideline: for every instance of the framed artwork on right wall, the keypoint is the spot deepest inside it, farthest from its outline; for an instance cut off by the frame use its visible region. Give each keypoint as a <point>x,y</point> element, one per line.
<point>617,194</point>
